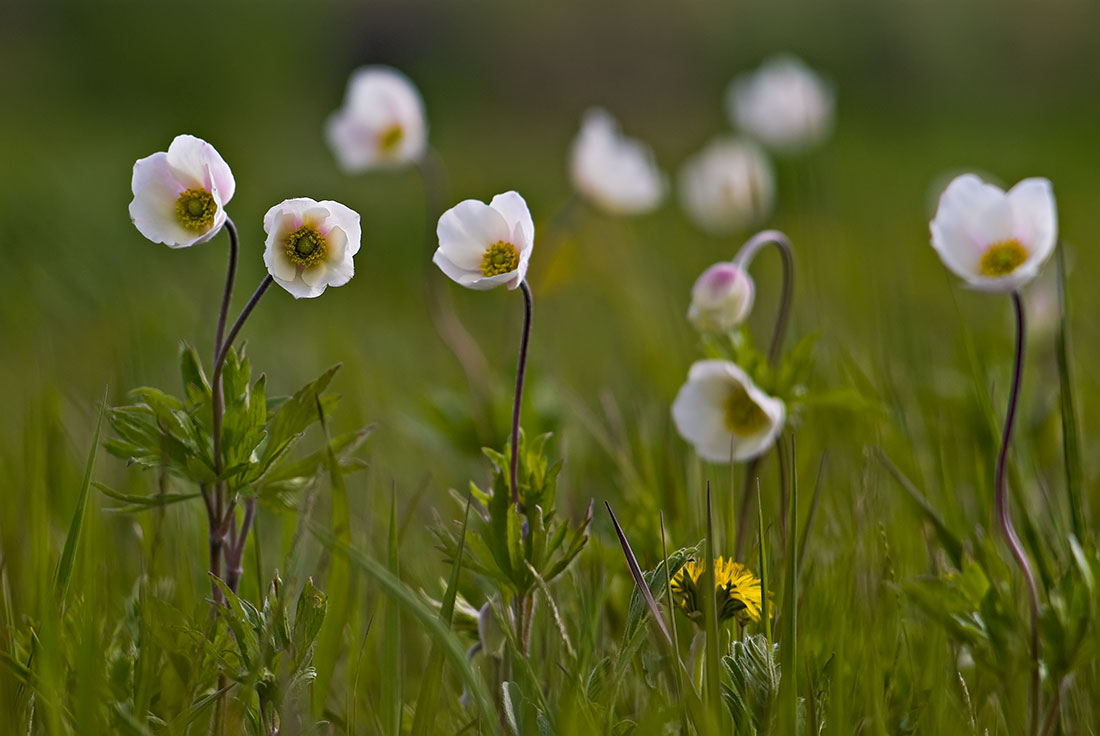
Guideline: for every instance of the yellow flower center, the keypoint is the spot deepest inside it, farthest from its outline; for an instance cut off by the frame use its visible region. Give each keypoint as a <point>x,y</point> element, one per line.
<point>391,138</point>
<point>306,247</point>
<point>500,257</point>
<point>744,416</point>
<point>1001,259</point>
<point>195,210</point>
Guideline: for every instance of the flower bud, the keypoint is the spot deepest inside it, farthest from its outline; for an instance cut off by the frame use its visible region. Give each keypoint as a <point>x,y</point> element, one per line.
<point>721,298</point>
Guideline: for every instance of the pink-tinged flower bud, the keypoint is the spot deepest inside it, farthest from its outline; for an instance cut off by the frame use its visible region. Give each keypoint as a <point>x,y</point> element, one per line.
<point>721,298</point>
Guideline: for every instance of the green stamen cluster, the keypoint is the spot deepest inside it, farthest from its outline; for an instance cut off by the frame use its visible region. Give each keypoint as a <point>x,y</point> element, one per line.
<point>195,210</point>
<point>306,247</point>
<point>500,257</point>
<point>744,416</point>
<point>1001,259</point>
<point>391,138</point>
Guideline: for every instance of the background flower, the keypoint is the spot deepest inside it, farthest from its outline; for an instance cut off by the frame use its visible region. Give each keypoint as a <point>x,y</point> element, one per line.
<point>724,415</point>
<point>381,124</point>
<point>727,186</point>
<point>486,245</point>
<point>783,104</point>
<point>721,298</point>
<point>310,245</point>
<point>617,174</point>
<point>180,195</point>
<point>996,241</point>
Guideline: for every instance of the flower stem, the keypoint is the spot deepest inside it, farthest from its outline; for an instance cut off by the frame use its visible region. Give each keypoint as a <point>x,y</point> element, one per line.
<point>520,372</point>
<point>1000,503</point>
<point>213,518</point>
<point>743,260</point>
<point>222,517</point>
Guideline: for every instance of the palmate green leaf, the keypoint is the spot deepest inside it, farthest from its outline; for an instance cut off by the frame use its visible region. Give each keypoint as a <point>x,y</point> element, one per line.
<point>195,384</point>
<point>142,503</point>
<point>297,413</point>
<point>309,615</point>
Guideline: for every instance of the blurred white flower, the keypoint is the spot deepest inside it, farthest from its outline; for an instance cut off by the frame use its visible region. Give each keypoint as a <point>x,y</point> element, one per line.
<point>724,415</point>
<point>382,122</point>
<point>485,245</point>
<point>617,174</point>
<point>783,104</point>
<point>310,245</point>
<point>180,196</point>
<point>727,186</point>
<point>995,241</point>
<point>721,298</point>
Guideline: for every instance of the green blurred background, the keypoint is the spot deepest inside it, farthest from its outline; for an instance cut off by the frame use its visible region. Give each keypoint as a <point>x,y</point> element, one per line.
<point>925,89</point>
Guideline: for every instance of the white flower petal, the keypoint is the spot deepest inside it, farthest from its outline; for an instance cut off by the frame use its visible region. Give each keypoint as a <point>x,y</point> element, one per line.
<point>1035,217</point>
<point>972,216</point>
<point>617,174</point>
<point>378,99</point>
<point>513,209</point>
<point>199,161</point>
<point>339,226</point>
<point>784,104</point>
<point>153,209</point>
<point>466,230</point>
<point>699,413</point>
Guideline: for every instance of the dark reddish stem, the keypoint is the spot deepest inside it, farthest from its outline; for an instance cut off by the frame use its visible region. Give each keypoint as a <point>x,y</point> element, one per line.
<point>1000,503</point>
<point>520,373</point>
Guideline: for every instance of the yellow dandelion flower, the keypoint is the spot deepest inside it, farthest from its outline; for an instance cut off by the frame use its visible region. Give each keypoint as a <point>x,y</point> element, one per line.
<point>737,590</point>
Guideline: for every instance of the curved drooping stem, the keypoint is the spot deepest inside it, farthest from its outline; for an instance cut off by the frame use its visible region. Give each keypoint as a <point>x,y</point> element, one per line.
<point>1000,504</point>
<point>743,260</point>
<point>520,372</point>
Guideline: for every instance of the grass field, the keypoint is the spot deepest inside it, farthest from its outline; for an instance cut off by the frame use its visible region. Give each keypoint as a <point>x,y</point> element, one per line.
<point>910,618</point>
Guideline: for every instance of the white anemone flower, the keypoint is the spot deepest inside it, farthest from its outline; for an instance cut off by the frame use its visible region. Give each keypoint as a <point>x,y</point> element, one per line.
<point>995,240</point>
<point>485,245</point>
<point>784,104</point>
<point>617,174</point>
<point>721,298</point>
<point>724,414</point>
<point>180,195</point>
<point>727,186</point>
<point>382,122</point>
<point>310,245</point>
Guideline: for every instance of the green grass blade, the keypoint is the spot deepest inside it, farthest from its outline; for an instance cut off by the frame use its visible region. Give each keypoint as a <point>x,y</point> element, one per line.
<point>340,586</point>
<point>441,635</point>
<point>76,526</point>
<point>765,604</point>
<point>950,542</point>
<point>710,620</point>
<point>391,696</point>
<point>788,688</point>
<point>429,689</point>
<point>1071,443</point>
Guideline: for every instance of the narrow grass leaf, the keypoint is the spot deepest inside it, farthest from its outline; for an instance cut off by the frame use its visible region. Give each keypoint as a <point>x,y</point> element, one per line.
<point>1071,443</point>
<point>441,635</point>
<point>429,688</point>
<point>76,526</point>
<point>392,695</point>
<point>950,542</point>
